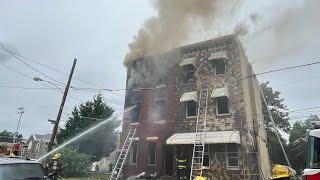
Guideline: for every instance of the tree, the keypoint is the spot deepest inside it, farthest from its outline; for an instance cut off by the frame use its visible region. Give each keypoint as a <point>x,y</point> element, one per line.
<point>279,112</point>
<point>298,142</point>
<point>7,136</point>
<point>74,163</point>
<point>99,142</point>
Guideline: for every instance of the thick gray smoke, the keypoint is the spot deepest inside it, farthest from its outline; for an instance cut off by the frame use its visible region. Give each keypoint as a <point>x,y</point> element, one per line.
<point>174,24</point>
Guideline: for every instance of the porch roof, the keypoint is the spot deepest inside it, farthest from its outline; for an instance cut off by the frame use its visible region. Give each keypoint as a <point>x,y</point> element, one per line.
<point>216,137</point>
<point>189,96</point>
<point>187,61</point>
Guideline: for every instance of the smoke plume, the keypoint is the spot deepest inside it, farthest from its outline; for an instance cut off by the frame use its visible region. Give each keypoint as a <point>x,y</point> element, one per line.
<point>173,25</point>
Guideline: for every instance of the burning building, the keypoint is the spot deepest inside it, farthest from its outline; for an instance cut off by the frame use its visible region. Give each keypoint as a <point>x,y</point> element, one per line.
<point>163,92</point>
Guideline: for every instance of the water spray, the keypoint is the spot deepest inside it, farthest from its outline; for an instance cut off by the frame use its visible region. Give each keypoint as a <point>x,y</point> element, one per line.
<point>83,133</point>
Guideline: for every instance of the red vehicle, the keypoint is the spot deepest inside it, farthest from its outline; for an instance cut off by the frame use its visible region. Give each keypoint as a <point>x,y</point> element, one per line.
<point>312,172</point>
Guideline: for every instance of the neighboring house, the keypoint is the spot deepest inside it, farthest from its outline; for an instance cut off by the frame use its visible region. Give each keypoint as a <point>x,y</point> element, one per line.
<point>163,93</point>
<point>37,145</point>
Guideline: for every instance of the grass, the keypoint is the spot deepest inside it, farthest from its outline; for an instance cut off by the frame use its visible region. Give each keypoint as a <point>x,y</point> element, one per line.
<point>94,176</point>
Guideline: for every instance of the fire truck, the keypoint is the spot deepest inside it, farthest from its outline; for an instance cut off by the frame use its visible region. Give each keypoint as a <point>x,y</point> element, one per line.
<point>312,172</point>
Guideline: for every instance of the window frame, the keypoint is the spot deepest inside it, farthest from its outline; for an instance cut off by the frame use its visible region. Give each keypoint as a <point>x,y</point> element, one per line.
<point>155,153</point>
<point>134,143</point>
<point>224,66</point>
<point>233,157</point>
<point>165,108</point>
<point>189,70</point>
<point>186,107</point>
<point>217,109</point>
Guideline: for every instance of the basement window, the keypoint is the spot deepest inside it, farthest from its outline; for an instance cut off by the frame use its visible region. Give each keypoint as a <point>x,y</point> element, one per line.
<point>134,153</point>
<point>232,156</point>
<point>190,71</point>
<point>191,109</point>
<point>151,153</point>
<point>220,66</point>
<point>222,105</point>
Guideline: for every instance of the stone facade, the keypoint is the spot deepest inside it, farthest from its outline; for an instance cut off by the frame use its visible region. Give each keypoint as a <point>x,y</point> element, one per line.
<point>244,106</point>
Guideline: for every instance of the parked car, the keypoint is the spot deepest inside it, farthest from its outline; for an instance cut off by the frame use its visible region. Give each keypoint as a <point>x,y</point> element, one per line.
<point>14,168</point>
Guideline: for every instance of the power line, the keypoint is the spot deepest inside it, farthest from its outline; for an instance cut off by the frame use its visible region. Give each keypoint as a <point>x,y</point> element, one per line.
<point>56,70</point>
<point>27,64</point>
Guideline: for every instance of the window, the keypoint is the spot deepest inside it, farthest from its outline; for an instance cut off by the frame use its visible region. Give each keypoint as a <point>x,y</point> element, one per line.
<point>134,113</point>
<point>206,159</point>
<point>191,109</point>
<point>190,71</point>
<point>151,153</point>
<point>232,156</point>
<point>160,110</point>
<point>133,153</point>
<point>222,105</point>
<point>161,81</point>
<point>220,66</point>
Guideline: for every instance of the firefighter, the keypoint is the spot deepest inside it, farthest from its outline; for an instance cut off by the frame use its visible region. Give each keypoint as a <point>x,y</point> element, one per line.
<point>280,172</point>
<point>182,163</point>
<point>54,166</point>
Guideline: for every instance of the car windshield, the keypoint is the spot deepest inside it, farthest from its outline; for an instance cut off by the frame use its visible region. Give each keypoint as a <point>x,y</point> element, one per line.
<point>314,152</point>
<point>21,171</point>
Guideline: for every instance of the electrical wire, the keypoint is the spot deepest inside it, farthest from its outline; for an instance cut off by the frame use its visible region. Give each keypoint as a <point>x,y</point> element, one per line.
<point>27,64</point>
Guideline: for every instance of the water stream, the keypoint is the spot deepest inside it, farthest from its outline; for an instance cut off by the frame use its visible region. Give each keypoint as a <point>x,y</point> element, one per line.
<point>83,133</point>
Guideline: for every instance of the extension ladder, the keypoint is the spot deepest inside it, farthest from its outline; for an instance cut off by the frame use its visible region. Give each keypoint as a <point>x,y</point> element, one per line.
<point>117,170</point>
<point>199,143</point>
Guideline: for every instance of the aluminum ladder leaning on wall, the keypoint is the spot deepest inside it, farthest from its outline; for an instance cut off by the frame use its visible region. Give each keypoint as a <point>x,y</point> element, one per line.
<point>199,143</point>
<point>117,170</point>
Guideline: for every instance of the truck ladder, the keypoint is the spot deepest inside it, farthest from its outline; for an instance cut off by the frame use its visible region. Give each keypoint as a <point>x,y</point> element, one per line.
<point>117,170</point>
<point>199,143</point>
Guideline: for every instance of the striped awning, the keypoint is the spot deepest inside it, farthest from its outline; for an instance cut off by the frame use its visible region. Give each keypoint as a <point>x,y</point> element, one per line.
<point>220,92</point>
<point>216,137</point>
<point>189,96</point>
<point>218,55</point>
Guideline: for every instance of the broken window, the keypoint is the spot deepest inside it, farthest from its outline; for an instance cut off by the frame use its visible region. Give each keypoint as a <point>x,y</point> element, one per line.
<point>151,153</point>
<point>191,109</point>
<point>134,153</point>
<point>134,113</point>
<point>222,105</point>
<point>232,156</point>
<point>220,66</point>
<point>190,71</point>
<point>160,110</point>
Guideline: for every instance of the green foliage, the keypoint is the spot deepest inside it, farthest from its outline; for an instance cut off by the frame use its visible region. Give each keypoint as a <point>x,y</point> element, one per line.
<point>7,136</point>
<point>279,112</point>
<point>74,163</point>
<point>278,109</point>
<point>101,141</point>
<point>298,142</point>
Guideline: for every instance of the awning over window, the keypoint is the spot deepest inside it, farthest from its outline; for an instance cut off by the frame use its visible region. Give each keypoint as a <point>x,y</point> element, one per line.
<point>220,92</point>
<point>187,62</point>
<point>189,96</point>
<point>218,55</point>
<point>216,137</point>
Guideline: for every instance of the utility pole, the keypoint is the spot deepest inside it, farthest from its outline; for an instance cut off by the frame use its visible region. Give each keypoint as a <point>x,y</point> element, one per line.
<point>56,125</point>
<point>16,132</point>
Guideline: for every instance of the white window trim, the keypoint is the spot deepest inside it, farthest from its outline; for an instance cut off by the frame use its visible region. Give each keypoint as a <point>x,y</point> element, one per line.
<point>155,155</point>
<point>190,117</point>
<point>227,160</point>
<point>217,112</point>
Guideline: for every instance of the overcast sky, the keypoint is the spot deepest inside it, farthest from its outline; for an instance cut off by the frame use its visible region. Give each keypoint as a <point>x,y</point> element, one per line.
<point>98,32</point>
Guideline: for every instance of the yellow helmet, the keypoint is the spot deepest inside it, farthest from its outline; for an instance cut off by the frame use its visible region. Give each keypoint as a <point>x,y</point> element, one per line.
<point>56,156</point>
<point>11,155</point>
<point>280,171</point>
